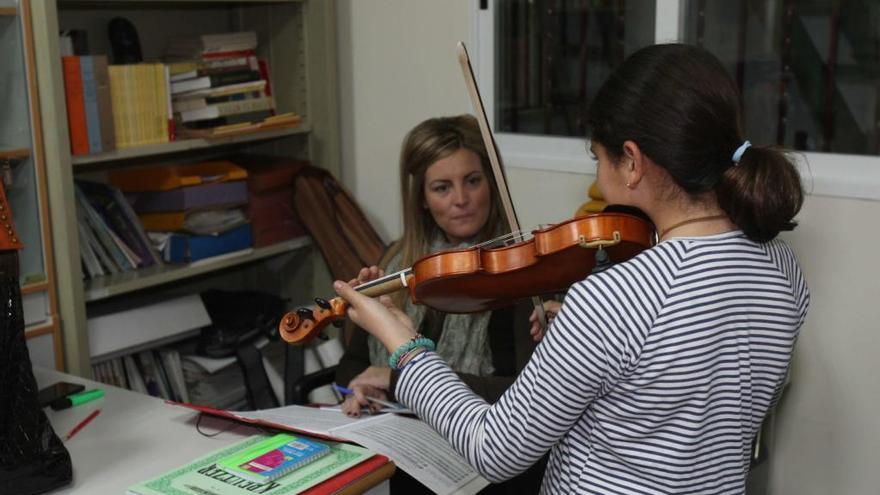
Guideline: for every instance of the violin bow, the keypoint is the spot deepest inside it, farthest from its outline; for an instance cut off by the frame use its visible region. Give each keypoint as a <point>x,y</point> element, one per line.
<point>494,158</point>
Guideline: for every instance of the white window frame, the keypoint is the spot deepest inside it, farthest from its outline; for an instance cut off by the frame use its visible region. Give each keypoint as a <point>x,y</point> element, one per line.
<point>825,174</point>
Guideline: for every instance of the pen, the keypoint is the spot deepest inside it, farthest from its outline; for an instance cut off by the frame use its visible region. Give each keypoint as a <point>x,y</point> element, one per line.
<point>77,399</point>
<point>82,424</point>
<point>347,391</point>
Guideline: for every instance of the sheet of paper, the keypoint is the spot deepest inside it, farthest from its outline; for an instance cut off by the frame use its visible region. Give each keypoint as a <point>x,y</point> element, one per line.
<point>305,419</point>
<point>417,449</point>
<point>366,410</point>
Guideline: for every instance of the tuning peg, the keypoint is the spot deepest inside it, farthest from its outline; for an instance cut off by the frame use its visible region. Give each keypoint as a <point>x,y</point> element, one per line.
<point>323,303</point>
<point>305,314</point>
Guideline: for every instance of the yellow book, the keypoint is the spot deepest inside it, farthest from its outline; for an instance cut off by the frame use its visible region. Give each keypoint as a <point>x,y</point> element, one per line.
<point>116,91</point>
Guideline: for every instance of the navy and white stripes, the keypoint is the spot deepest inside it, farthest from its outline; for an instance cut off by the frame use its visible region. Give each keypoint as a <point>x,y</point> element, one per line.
<point>653,378</point>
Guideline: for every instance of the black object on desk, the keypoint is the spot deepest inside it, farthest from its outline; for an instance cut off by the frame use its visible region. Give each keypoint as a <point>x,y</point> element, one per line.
<point>57,391</point>
<point>32,457</point>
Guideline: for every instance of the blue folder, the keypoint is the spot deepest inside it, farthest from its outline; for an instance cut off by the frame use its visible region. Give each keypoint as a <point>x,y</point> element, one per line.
<point>183,248</point>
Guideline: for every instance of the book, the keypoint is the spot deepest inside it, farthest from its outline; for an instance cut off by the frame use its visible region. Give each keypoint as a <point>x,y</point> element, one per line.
<point>204,475</point>
<point>228,108</point>
<point>218,67</point>
<point>105,105</point>
<point>229,89</point>
<point>90,101</point>
<point>76,109</point>
<point>274,457</point>
<point>214,81</point>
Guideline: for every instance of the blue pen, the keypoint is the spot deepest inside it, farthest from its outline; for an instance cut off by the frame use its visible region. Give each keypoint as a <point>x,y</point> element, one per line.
<point>347,391</point>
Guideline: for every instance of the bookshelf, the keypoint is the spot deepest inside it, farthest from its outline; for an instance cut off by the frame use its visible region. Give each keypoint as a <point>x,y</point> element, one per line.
<point>298,39</point>
<point>115,285</point>
<point>185,145</point>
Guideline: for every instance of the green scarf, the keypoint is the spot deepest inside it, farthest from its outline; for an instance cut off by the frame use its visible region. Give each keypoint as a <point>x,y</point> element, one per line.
<point>464,341</point>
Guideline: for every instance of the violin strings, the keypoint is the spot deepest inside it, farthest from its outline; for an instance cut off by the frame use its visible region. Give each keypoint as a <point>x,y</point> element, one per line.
<point>516,235</point>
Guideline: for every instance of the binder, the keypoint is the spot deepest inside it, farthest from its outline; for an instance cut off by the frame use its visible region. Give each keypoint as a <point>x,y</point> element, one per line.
<point>202,196</point>
<point>183,248</point>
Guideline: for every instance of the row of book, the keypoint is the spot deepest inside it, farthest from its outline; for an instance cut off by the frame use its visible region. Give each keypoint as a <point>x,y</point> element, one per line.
<point>153,372</point>
<point>111,237</point>
<point>180,374</point>
<point>204,85</point>
<point>115,106</point>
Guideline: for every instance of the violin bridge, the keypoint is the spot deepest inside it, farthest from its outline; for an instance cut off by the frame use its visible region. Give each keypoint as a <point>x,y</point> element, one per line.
<point>600,243</point>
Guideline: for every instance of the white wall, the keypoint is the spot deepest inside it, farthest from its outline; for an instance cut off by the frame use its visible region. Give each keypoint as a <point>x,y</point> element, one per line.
<point>397,67</point>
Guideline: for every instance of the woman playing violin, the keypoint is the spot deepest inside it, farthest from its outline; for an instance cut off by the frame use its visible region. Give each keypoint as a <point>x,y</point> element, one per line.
<point>657,372</point>
<point>449,201</point>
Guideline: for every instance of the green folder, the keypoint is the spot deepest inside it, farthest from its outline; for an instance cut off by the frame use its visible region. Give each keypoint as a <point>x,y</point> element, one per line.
<point>204,476</point>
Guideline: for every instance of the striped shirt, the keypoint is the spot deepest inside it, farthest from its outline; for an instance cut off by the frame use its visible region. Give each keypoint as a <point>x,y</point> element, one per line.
<point>653,378</point>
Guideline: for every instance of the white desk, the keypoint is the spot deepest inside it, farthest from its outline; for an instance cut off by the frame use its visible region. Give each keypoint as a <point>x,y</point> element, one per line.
<point>134,438</point>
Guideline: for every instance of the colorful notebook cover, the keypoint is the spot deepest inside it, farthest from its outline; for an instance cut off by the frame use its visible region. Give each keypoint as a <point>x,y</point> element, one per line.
<point>204,475</point>
<point>274,457</point>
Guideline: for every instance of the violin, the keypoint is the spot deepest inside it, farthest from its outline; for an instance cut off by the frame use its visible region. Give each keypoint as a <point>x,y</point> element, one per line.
<point>489,276</point>
<point>486,277</point>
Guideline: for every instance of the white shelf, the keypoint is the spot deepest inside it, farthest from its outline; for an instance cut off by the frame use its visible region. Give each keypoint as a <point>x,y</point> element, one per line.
<point>186,145</point>
<point>100,288</point>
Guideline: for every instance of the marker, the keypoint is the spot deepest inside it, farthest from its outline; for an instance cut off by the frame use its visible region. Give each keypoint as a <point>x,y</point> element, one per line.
<point>347,391</point>
<point>77,399</point>
<point>82,424</point>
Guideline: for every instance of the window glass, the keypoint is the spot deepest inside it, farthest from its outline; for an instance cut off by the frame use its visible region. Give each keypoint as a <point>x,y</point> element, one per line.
<point>809,70</point>
<point>552,56</point>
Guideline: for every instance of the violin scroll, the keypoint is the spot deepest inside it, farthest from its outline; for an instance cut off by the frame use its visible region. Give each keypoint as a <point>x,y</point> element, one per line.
<point>304,324</point>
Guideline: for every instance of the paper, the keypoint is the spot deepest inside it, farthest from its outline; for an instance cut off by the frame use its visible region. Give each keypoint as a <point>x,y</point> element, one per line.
<point>417,449</point>
<point>413,445</point>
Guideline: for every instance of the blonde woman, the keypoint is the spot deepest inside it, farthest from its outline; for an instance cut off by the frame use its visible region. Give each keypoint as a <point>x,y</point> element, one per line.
<point>449,200</point>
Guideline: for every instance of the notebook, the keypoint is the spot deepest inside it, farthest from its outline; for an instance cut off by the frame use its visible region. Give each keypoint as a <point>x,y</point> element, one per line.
<point>274,457</point>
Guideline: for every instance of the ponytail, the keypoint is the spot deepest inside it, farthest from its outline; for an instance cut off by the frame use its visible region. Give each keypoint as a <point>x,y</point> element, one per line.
<point>762,193</point>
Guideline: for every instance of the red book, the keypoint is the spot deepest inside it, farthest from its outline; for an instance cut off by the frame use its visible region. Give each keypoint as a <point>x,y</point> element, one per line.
<point>76,107</point>
<point>233,54</point>
<point>357,479</point>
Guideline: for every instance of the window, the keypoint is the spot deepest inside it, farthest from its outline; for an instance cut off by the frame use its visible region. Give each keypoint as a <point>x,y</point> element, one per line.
<point>809,72</point>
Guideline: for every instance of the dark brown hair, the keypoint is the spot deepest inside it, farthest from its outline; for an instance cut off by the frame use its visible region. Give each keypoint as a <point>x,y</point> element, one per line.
<point>683,110</point>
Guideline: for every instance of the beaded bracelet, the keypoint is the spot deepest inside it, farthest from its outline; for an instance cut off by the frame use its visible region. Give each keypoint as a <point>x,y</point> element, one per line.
<point>401,363</point>
<point>417,341</point>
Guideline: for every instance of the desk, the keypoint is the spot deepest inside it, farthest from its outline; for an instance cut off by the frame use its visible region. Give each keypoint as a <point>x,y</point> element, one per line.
<point>135,437</point>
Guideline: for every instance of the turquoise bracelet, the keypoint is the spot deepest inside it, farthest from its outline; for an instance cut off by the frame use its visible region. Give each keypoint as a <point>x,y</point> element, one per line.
<point>417,341</point>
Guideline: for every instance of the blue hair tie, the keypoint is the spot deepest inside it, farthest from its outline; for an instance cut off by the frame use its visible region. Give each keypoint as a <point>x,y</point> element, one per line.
<point>738,154</point>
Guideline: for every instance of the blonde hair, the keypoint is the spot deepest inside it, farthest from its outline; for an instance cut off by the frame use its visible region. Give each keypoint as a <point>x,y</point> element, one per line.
<point>432,140</point>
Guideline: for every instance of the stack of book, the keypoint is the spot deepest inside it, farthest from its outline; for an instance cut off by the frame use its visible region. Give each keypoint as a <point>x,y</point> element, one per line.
<point>217,80</point>
<point>276,464</point>
<point>112,239</point>
<point>191,211</point>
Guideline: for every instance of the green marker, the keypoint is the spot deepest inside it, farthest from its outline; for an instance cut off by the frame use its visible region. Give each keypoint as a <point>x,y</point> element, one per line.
<point>77,399</point>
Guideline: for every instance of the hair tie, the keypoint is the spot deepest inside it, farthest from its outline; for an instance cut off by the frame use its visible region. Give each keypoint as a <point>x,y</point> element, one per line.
<point>738,154</point>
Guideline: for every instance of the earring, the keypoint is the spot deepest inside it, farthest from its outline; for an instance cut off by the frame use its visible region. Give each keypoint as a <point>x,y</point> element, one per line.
<point>628,185</point>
